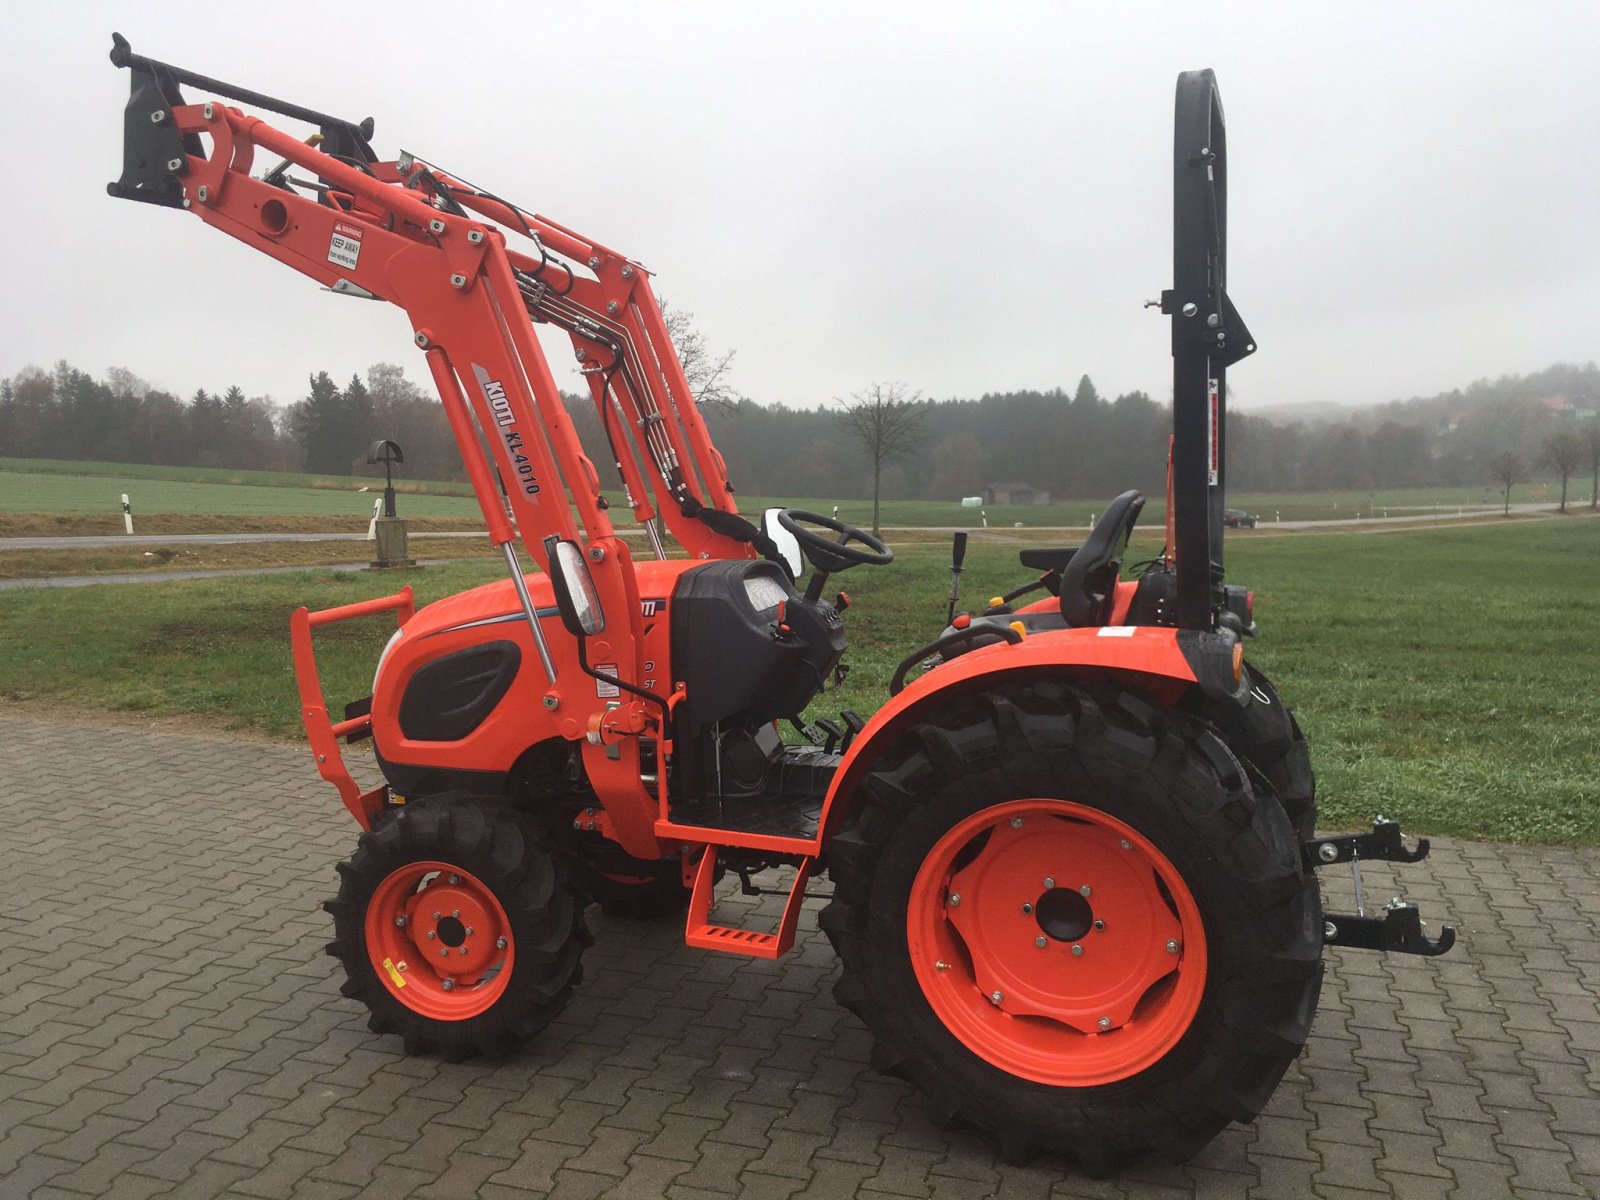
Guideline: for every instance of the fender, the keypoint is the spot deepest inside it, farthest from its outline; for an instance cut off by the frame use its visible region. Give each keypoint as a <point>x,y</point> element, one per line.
<point>1163,661</point>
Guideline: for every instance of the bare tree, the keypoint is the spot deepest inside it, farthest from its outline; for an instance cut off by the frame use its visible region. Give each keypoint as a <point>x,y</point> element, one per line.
<point>1565,452</point>
<point>704,369</point>
<point>889,420</point>
<point>1591,438</point>
<point>1507,470</point>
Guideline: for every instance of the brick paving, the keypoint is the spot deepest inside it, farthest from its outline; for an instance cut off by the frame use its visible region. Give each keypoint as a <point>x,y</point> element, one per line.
<point>169,1026</point>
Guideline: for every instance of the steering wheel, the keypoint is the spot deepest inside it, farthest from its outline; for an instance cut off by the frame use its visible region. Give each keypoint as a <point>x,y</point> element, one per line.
<point>828,555</point>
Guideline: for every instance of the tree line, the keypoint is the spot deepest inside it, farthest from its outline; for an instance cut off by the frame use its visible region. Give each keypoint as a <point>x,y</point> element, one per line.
<point>1071,444</point>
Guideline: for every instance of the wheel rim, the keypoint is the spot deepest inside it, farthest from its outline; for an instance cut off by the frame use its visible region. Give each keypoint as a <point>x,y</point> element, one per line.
<point>440,941</point>
<point>1040,977</point>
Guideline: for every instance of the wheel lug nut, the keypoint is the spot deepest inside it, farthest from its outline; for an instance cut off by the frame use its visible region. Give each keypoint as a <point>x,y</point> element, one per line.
<point>1027,908</point>
<point>454,879</point>
<point>1049,882</point>
<point>1016,822</point>
<point>1086,890</point>
<point>955,899</point>
<point>400,922</point>
<point>1126,844</point>
<point>436,916</point>
<point>444,952</point>
<point>469,930</point>
<point>1077,951</point>
<point>996,997</point>
<point>1041,941</point>
<point>432,935</point>
<point>449,985</point>
<point>463,950</point>
<point>457,913</point>
<point>500,943</point>
<point>1104,1022</point>
<point>1172,947</point>
<point>1099,924</point>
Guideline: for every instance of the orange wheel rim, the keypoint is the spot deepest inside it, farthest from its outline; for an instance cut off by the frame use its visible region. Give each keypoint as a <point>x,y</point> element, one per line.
<point>440,941</point>
<point>1056,943</point>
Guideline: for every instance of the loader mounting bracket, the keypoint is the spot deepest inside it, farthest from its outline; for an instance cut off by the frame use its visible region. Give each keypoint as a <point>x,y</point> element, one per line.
<point>1397,931</point>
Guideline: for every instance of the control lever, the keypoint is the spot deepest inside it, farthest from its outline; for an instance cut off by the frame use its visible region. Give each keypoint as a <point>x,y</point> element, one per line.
<point>958,555</point>
<point>855,724</point>
<point>835,734</point>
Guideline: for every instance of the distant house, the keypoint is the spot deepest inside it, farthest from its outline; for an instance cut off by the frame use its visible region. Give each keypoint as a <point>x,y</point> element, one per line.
<point>1014,493</point>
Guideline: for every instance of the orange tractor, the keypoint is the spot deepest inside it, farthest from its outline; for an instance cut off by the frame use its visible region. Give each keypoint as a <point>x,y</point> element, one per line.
<point>1071,862</point>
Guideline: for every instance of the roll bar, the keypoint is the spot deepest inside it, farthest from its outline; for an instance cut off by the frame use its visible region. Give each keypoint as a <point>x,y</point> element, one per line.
<point>1208,336</point>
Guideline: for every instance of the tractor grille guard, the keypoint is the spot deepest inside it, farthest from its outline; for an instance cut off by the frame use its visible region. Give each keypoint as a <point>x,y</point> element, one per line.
<point>321,732</point>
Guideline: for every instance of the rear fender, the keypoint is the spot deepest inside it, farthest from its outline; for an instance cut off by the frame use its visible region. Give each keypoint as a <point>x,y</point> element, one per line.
<point>1167,664</point>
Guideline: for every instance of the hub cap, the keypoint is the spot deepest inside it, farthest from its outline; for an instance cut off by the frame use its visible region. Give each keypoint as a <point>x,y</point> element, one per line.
<point>1075,955</point>
<point>439,941</point>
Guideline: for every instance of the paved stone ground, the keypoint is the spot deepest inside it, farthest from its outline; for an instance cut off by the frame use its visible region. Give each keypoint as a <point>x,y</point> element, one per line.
<point>170,1026</point>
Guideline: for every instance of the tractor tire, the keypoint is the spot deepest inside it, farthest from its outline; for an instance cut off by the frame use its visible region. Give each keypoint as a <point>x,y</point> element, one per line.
<point>1065,914</point>
<point>457,929</point>
<point>1266,735</point>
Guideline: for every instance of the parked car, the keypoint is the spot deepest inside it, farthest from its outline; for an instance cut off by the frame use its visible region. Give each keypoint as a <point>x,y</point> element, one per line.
<point>1237,518</point>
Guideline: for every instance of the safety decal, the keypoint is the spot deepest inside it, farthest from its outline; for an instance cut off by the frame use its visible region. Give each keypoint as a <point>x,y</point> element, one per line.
<point>344,247</point>
<point>602,689</point>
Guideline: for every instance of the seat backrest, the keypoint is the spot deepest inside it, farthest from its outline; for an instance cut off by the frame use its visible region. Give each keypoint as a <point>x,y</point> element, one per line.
<point>1089,580</point>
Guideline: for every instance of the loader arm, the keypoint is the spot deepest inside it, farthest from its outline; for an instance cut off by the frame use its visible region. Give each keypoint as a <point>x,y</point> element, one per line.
<point>416,236</point>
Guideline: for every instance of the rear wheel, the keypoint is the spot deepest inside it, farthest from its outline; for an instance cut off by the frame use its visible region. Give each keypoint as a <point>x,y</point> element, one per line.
<point>1066,915</point>
<point>1266,735</point>
<point>457,929</point>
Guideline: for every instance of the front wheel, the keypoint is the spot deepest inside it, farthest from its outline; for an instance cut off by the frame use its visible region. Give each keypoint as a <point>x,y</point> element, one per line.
<point>457,929</point>
<point>1064,913</point>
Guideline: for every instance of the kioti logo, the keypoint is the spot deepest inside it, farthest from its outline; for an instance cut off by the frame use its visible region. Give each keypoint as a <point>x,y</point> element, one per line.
<point>495,392</point>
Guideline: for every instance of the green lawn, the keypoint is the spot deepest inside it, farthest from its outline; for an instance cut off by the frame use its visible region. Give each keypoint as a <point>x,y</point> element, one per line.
<point>1449,677</point>
<point>53,486</point>
<point>101,492</point>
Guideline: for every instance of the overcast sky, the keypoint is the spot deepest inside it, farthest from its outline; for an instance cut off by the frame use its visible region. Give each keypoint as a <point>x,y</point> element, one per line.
<point>963,197</point>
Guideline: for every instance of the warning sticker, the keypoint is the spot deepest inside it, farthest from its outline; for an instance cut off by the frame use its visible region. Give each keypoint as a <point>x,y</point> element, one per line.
<point>602,689</point>
<point>344,247</point>
<point>395,977</point>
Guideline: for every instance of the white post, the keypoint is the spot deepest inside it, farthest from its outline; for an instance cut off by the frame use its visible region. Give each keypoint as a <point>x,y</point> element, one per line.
<point>835,512</point>
<point>127,514</point>
<point>984,513</point>
<point>372,525</point>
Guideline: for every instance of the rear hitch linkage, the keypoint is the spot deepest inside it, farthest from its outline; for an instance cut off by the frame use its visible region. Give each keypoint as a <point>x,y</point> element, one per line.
<point>1399,929</point>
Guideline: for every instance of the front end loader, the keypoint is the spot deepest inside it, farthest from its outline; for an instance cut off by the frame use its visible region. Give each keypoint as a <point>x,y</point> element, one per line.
<point>1072,857</point>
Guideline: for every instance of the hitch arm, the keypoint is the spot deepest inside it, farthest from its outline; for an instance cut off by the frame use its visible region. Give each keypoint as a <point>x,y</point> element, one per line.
<point>1398,931</point>
<point>1382,844</point>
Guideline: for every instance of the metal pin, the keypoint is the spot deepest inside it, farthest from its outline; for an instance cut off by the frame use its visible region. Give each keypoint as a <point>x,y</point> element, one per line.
<point>1327,852</point>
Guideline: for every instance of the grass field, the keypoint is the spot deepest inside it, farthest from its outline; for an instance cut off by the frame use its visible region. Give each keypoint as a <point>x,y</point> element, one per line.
<point>29,486</point>
<point>1448,677</point>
